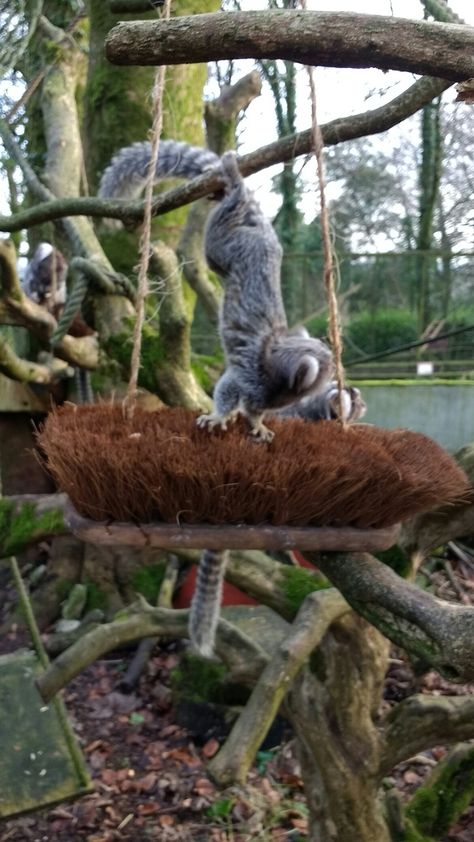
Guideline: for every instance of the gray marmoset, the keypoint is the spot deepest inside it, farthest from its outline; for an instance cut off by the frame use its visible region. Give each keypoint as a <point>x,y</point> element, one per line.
<point>44,282</point>
<point>325,407</point>
<point>45,278</point>
<point>206,602</point>
<point>268,366</point>
<point>126,175</point>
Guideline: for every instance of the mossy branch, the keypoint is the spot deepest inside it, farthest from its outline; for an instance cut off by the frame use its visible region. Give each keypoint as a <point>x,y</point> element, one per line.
<point>344,128</point>
<point>443,797</point>
<point>28,518</point>
<point>138,621</point>
<point>421,722</point>
<point>439,632</point>
<point>26,371</point>
<point>317,612</point>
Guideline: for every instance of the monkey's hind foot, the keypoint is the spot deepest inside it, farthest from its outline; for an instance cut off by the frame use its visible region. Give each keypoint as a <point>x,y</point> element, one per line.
<point>212,421</point>
<point>260,432</point>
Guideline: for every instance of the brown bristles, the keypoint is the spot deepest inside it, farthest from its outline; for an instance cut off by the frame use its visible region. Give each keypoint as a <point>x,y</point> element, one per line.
<point>160,466</point>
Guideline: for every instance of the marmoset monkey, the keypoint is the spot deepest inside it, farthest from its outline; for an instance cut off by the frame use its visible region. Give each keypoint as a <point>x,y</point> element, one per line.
<point>269,368</point>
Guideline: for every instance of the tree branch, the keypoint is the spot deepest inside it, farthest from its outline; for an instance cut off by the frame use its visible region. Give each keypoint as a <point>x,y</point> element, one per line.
<point>28,518</point>
<point>138,621</point>
<point>26,371</point>
<point>439,632</point>
<point>316,614</point>
<point>421,722</point>
<point>344,128</point>
<point>442,797</point>
<point>337,39</point>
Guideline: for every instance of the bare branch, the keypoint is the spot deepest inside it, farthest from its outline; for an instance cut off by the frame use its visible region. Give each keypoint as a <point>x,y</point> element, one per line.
<point>422,722</point>
<point>334,39</point>
<point>344,128</point>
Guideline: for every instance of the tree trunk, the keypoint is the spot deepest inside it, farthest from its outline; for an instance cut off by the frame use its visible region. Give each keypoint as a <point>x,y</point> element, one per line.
<point>333,708</point>
<point>430,174</point>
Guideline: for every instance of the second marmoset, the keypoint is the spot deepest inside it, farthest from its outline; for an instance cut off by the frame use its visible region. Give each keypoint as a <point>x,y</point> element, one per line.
<point>268,366</point>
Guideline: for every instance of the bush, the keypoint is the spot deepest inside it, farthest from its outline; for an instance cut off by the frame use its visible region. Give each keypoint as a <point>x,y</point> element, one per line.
<point>372,333</point>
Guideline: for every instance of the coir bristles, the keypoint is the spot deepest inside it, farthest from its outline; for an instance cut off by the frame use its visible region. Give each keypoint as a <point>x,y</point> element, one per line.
<point>161,467</point>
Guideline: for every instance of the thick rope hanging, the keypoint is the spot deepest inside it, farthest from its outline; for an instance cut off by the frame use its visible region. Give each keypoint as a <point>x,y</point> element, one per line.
<point>335,336</point>
<point>145,239</point>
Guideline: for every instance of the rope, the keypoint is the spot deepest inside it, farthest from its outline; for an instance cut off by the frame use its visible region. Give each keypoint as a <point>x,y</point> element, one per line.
<point>73,304</point>
<point>145,239</point>
<point>329,273</point>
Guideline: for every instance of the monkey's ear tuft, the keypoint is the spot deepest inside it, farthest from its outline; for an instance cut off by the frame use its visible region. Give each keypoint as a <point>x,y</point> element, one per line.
<point>306,374</point>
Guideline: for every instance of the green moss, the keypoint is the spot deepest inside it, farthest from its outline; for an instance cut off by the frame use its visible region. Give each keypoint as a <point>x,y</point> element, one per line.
<point>147,581</point>
<point>436,806</point>
<point>396,559</point>
<point>297,582</point>
<point>202,375</point>
<point>119,347</point>
<point>19,528</point>
<point>198,680</point>
<point>96,597</point>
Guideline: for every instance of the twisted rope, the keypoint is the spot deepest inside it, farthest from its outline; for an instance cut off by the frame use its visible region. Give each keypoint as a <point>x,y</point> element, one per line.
<point>145,239</point>
<point>334,326</point>
<point>73,304</point>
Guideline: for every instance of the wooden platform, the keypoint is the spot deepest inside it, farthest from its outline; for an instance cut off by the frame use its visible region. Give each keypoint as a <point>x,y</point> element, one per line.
<point>205,536</point>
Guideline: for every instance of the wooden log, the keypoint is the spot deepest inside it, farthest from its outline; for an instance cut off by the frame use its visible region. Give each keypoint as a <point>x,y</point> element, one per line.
<point>333,39</point>
<point>200,536</point>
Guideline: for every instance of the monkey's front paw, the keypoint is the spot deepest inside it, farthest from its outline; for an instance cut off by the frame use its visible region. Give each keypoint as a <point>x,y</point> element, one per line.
<point>209,422</point>
<point>261,433</point>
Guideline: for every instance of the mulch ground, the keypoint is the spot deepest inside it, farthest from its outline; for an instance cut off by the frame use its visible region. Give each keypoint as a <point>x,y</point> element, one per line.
<point>149,774</point>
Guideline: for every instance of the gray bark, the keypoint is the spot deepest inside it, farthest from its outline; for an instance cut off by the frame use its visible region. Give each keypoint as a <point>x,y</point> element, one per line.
<point>339,39</point>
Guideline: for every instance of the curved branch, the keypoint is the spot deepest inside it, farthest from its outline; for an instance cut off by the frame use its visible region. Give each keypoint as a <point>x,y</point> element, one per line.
<point>344,128</point>
<point>140,620</point>
<point>421,722</point>
<point>26,371</point>
<point>440,632</point>
<point>315,616</point>
<point>334,39</point>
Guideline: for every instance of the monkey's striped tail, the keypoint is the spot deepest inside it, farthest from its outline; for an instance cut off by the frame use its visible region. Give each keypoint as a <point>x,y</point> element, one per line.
<point>205,605</point>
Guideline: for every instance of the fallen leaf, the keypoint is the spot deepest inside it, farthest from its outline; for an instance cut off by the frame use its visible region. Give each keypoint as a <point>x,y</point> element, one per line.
<point>210,748</point>
<point>166,820</point>
<point>204,787</point>
<point>147,783</point>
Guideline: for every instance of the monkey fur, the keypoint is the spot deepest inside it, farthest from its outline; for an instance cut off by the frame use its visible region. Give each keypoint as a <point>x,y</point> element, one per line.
<point>269,368</point>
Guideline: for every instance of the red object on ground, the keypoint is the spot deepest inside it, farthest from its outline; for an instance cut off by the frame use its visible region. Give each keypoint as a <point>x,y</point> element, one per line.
<point>231,595</point>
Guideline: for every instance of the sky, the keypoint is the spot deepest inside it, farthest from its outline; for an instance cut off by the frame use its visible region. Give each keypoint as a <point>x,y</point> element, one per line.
<point>340,92</point>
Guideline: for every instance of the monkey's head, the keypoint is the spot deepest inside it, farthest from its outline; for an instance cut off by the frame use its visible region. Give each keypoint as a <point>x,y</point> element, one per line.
<point>299,366</point>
